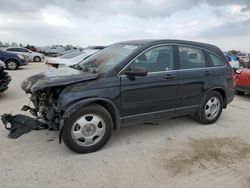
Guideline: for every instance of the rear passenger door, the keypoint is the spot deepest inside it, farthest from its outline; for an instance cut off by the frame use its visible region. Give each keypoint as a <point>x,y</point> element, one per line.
<point>195,77</point>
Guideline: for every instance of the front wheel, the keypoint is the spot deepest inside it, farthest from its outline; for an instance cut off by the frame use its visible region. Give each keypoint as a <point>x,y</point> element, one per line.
<point>210,109</point>
<point>12,64</point>
<point>88,129</point>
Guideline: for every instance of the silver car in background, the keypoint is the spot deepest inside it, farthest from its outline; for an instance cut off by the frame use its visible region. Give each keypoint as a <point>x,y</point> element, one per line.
<point>29,55</point>
<point>70,59</point>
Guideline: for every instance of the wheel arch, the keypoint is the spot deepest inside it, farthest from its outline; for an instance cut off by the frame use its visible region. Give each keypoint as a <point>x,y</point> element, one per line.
<point>12,59</point>
<point>106,103</point>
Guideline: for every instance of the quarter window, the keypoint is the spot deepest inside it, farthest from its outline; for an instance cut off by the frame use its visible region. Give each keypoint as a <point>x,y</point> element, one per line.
<point>156,59</point>
<point>191,58</point>
<point>216,61</point>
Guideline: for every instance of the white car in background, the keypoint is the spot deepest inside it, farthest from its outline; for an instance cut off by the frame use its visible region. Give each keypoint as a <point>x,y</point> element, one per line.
<point>29,55</point>
<point>70,59</point>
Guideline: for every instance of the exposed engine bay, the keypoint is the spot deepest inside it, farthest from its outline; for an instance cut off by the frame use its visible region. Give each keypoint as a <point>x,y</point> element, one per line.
<point>45,106</point>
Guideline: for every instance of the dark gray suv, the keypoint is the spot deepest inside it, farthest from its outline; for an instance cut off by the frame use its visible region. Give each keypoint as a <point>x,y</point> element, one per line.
<point>131,82</point>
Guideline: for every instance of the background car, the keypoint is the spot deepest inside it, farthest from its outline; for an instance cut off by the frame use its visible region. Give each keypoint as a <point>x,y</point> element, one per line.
<point>4,78</point>
<point>31,56</point>
<point>242,81</point>
<point>235,64</point>
<point>244,56</point>
<point>51,51</point>
<point>12,61</point>
<point>70,59</point>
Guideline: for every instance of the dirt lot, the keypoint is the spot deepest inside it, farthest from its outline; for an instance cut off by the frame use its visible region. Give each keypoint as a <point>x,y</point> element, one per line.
<point>172,153</point>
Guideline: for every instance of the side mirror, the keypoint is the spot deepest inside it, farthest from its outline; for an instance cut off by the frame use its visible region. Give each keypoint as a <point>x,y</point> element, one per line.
<point>136,71</point>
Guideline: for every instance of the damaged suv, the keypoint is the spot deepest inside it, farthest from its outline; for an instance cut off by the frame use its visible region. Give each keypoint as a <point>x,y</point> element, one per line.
<point>131,82</point>
<point>4,78</point>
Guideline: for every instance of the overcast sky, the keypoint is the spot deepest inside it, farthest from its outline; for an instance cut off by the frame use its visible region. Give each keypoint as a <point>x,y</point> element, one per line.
<point>225,23</point>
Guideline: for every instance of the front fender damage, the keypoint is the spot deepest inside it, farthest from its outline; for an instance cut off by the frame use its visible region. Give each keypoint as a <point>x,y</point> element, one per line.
<point>21,124</point>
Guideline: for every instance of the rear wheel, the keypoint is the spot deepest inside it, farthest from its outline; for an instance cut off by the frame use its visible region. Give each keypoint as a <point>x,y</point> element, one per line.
<point>37,59</point>
<point>12,64</point>
<point>210,109</point>
<point>88,129</point>
<point>240,92</point>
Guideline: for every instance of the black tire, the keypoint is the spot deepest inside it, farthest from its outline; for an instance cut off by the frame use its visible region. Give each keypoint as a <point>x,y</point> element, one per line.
<point>37,59</point>
<point>12,64</point>
<point>70,122</point>
<point>201,117</point>
<point>240,92</point>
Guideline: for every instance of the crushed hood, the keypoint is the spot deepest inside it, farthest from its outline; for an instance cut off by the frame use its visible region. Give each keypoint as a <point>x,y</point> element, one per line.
<point>55,77</point>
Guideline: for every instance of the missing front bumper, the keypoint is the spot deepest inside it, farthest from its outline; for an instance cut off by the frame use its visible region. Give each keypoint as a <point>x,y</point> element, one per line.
<point>20,124</point>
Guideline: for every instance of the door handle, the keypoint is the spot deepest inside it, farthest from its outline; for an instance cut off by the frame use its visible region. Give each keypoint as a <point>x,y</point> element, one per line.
<point>168,76</point>
<point>207,73</point>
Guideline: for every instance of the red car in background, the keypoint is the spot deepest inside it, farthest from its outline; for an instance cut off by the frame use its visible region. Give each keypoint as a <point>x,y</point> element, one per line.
<point>242,81</point>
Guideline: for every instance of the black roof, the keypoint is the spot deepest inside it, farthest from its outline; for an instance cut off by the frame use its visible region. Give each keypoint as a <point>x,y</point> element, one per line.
<point>151,42</point>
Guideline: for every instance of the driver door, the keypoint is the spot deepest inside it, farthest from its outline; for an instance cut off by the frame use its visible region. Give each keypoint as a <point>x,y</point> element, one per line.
<point>153,95</point>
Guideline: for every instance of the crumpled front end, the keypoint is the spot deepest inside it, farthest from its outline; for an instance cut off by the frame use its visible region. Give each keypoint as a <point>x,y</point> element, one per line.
<point>47,114</point>
<point>45,104</point>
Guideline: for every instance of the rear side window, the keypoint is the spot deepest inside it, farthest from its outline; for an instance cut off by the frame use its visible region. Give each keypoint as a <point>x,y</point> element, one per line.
<point>216,60</point>
<point>191,58</point>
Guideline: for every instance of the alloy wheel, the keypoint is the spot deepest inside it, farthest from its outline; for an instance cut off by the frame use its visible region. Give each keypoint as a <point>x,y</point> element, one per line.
<point>88,130</point>
<point>212,108</point>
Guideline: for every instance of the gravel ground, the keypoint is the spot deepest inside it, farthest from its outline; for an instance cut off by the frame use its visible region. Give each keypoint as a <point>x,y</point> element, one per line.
<point>173,153</point>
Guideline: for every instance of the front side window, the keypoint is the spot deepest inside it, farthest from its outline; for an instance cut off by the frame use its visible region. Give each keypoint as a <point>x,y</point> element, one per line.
<point>191,58</point>
<point>156,59</point>
<point>216,60</point>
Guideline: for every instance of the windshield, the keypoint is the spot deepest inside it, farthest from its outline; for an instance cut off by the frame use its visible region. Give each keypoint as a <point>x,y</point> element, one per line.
<point>107,58</point>
<point>72,55</point>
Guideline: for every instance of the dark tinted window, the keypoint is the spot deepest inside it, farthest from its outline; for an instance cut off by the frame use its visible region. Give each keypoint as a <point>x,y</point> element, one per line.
<point>216,60</point>
<point>191,58</point>
<point>155,59</point>
<point>13,49</point>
